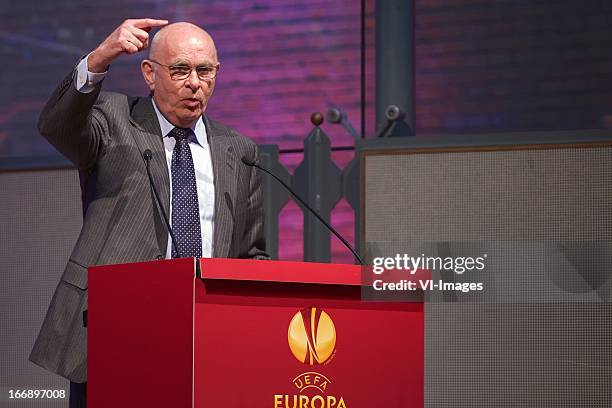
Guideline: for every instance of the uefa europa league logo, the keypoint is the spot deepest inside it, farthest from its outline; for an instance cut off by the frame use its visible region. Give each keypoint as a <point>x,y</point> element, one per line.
<point>312,336</point>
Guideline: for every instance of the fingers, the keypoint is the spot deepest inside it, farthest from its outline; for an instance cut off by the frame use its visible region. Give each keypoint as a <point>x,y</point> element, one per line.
<point>134,36</point>
<point>148,23</point>
<point>130,47</point>
<point>130,37</point>
<point>133,39</point>
<point>142,35</point>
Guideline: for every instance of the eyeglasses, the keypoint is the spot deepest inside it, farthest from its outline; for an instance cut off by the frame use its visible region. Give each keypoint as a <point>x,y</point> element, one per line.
<point>182,72</point>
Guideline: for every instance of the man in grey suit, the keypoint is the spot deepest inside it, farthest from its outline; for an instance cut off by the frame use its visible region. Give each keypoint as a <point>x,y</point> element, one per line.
<point>214,201</point>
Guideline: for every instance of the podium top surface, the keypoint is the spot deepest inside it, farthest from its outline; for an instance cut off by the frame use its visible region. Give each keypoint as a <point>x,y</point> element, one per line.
<point>280,271</point>
<point>247,270</point>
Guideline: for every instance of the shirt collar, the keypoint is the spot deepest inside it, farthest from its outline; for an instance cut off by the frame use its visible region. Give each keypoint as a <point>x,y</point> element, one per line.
<point>166,127</point>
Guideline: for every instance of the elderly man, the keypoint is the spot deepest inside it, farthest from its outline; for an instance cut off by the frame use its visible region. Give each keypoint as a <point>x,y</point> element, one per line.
<point>214,201</point>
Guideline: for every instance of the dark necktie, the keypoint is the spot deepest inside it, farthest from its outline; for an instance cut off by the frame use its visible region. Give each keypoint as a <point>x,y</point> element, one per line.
<point>185,210</point>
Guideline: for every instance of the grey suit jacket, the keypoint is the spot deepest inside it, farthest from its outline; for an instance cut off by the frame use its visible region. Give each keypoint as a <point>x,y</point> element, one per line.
<point>104,135</point>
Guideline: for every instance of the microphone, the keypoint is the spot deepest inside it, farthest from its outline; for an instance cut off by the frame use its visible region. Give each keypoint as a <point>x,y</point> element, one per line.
<point>338,116</point>
<point>393,113</point>
<point>252,163</point>
<point>147,156</point>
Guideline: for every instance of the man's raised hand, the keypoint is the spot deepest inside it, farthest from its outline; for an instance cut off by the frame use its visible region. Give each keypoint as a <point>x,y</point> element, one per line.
<point>130,37</point>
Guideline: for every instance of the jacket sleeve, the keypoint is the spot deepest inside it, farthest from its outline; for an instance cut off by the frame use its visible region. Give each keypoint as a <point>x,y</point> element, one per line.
<point>72,125</point>
<point>254,237</point>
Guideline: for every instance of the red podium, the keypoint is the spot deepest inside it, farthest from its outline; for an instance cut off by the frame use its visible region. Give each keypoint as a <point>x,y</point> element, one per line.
<point>243,333</point>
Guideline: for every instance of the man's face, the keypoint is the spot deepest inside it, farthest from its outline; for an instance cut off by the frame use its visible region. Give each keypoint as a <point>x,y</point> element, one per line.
<point>181,101</point>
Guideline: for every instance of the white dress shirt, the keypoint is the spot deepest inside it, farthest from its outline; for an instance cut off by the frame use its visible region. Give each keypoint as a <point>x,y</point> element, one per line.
<point>85,81</point>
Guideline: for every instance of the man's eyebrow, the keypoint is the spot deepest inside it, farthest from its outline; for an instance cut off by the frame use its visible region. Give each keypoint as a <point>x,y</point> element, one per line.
<point>179,62</point>
<point>182,62</point>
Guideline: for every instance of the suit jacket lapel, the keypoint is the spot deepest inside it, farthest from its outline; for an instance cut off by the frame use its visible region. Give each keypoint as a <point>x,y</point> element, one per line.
<point>224,161</point>
<point>147,135</point>
<point>224,169</point>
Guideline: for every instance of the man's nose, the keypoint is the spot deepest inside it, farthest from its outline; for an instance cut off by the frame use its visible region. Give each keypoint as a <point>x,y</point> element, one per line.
<point>193,81</point>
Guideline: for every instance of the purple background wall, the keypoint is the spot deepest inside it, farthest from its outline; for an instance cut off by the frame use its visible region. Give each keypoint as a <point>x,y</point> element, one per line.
<point>482,66</point>
<point>513,65</point>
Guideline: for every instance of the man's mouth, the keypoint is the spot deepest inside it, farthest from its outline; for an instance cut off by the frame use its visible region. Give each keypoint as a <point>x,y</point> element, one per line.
<point>192,102</point>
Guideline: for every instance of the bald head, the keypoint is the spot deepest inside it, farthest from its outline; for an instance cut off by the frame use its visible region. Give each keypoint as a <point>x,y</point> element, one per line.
<point>169,35</point>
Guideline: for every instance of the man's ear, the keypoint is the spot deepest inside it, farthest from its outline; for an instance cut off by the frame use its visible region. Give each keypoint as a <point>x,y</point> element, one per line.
<point>148,74</point>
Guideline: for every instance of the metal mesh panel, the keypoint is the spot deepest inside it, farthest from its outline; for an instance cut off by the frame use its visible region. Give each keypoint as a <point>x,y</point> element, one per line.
<point>41,218</point>
<point>538,194</point>
<point>510,353</point>
<point>513,355</point>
